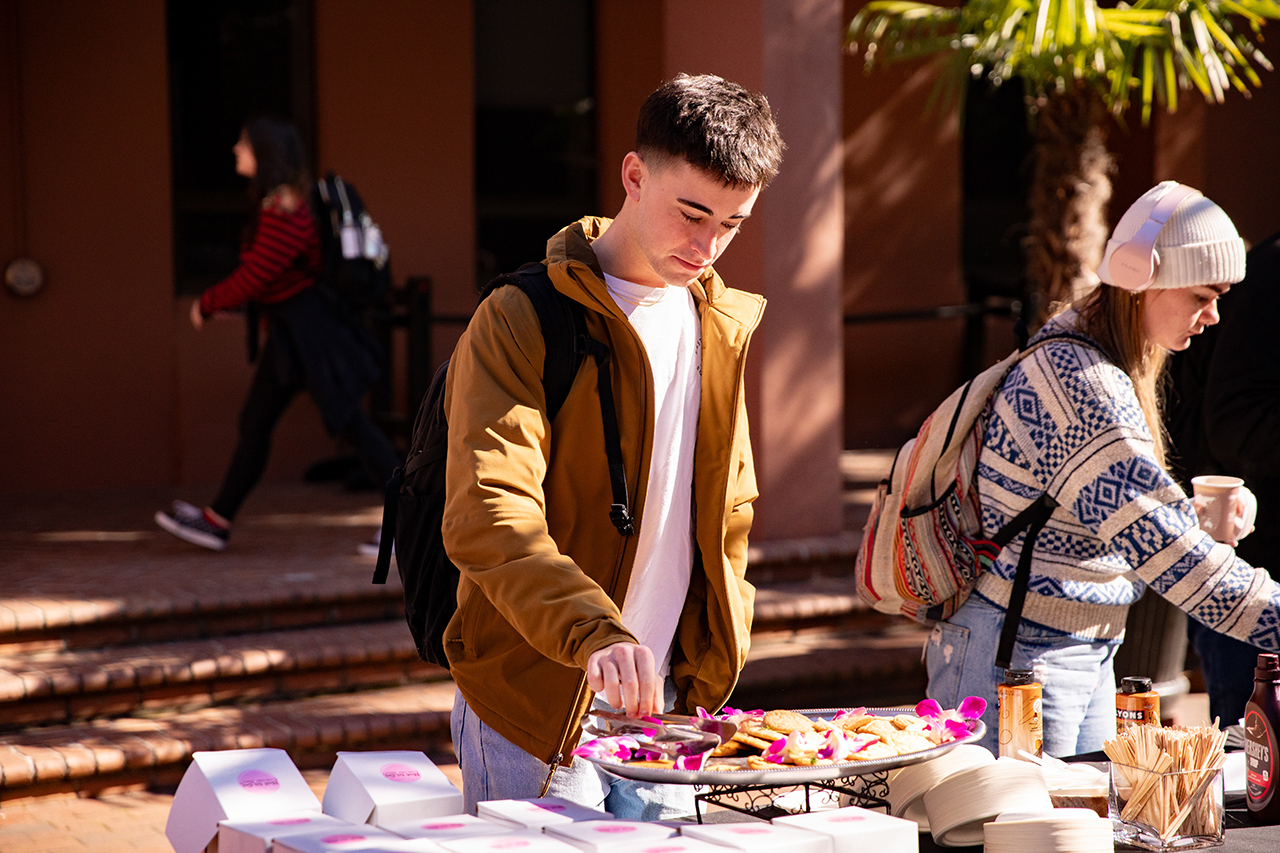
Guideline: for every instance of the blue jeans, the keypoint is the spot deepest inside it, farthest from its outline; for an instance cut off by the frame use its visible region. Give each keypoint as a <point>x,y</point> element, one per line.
<point>1076,676</point>
<point>493,768</point>
<point>1227,665</point>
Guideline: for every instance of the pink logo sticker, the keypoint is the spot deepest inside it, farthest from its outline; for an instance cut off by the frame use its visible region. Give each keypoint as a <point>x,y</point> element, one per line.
<point>749,830</point>
<point>258,782</point>
<point>342,839</point>
<point>613,827</point>
<point>508,844</point>
<point>552,807</point>
<point>400,772</point>
<point>443,826</point>
<point>665,848</point>
<point>290,821</point>
<point>847,818</point>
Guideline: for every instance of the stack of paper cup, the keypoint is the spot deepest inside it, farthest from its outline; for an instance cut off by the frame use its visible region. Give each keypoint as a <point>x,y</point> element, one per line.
<point>1056,831</point>
<point>908,787</point>
<point>959,805</point>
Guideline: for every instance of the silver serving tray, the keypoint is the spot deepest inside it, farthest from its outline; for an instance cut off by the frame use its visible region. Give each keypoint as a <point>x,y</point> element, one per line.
<point>788,774</point>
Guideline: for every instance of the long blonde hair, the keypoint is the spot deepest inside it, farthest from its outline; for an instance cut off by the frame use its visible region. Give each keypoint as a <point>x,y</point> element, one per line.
<point>1113,318</point>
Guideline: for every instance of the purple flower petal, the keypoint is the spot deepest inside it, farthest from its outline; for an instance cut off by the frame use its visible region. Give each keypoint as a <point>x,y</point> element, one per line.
<point>703,715</point>
<point>608,748</point>
<point>973,707</point>
<point>929,709</point>
<point>691,762</point>
<point>955,730</point>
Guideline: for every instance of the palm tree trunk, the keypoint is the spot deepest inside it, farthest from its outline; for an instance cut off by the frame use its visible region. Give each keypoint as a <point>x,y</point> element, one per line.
<point>1070,189</point>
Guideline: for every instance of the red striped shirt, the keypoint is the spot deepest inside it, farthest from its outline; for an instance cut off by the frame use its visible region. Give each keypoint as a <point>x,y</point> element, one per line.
<point>282,260</point>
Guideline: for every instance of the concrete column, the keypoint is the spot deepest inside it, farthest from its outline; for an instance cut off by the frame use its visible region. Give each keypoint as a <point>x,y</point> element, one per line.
<point>792,249</point>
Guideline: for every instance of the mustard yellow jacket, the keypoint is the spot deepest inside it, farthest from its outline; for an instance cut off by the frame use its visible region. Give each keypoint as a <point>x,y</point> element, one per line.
<point>526,520</point>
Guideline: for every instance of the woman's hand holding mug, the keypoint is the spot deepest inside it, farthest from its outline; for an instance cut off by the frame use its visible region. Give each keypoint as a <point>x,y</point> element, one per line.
<point>1226,508</point>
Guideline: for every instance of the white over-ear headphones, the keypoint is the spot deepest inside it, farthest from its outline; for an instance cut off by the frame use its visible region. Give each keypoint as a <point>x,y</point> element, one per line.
<point>1133,264</point>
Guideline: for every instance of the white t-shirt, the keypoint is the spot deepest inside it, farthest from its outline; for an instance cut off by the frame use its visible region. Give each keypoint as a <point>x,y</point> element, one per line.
<point>667,321</point>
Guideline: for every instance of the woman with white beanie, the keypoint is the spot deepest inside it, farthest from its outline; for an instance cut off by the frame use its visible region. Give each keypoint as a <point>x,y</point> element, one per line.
<point>1079,419</point>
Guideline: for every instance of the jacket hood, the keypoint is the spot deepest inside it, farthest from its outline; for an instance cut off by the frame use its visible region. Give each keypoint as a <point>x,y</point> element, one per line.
<point>573,266</point>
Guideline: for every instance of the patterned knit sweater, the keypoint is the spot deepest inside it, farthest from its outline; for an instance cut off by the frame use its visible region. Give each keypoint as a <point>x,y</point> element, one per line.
<point>1068,422</point>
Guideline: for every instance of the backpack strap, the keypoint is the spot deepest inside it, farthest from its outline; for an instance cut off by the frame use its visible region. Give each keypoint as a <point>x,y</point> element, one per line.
<point>564,321</point>
<point>1032,519</point>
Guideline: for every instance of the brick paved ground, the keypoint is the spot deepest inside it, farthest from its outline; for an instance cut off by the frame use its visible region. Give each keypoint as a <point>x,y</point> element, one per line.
<point>123,822</point>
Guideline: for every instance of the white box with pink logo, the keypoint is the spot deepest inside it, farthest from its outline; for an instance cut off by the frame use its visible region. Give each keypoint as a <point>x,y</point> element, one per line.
<point>596,836</point>
<point>237,785</point>
<point>856,830</point>
<point>443,828</point>
<point>759,836</point>
<point>388,787</point>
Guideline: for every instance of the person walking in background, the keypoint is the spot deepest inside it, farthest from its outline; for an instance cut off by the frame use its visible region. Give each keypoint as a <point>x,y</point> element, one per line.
<point>1224,418</point>
<point>555,608</point>
<point>310,343</point>
<point>1080,420</point>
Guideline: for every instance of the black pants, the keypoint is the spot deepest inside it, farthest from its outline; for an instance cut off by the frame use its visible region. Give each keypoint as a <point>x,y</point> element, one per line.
<point>268,398</point>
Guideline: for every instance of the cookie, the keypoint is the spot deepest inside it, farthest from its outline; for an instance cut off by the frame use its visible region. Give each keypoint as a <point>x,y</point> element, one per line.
<point>755,762</point>
<point>730,747</point>
<point>903,721</point>
<point>759,731</point>
<point>751,740</point>
<point>851,723</point>
<point>661,764</point>
<point>879,727</point>
<point>905,742</point>
<point>788,722</point>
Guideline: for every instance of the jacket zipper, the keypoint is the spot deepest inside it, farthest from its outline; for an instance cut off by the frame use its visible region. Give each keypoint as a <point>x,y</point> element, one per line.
<point>567,729</point>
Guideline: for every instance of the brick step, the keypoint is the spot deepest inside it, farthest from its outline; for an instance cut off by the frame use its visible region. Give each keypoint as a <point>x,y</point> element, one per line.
<point>326,595</point>
<point>57,687</point>
<point>94,756</point>
<point>294,600</point>
<point>810,668</point>
<point>50,687</point>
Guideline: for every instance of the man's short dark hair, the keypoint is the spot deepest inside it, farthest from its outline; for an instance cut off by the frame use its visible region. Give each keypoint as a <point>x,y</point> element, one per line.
<point>717,126</point>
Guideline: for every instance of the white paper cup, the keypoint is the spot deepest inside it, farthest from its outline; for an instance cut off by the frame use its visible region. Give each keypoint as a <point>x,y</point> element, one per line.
<point>1216,496</point>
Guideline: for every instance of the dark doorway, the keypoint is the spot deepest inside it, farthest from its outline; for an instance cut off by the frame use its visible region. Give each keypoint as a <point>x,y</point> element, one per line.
<point>228,60</point>
<point>996,178</point>
<point>535,126</point>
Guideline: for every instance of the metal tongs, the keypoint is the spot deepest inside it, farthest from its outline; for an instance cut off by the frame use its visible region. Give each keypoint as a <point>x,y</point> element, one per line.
<point>671,734</point>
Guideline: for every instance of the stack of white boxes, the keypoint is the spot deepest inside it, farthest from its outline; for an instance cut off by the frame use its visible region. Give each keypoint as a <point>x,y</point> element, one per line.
<point>256,801</point>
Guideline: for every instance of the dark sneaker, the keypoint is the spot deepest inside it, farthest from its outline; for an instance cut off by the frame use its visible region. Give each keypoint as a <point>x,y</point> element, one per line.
<point>192,524</point>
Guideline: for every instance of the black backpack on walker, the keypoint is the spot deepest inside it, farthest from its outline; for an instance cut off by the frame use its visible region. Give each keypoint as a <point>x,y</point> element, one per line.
<point>413,512</point>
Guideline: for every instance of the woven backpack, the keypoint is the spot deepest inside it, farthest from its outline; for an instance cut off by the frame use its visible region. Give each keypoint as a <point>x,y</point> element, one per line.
<point>923,546</point>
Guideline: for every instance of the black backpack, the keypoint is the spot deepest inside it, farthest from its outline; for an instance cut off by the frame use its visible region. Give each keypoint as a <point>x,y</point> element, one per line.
<point>356,269</point>
<point>414,508</point>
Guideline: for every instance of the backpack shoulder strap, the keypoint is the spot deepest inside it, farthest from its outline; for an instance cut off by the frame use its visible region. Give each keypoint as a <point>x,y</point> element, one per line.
<point>564,329</point>
<point>563,321</point>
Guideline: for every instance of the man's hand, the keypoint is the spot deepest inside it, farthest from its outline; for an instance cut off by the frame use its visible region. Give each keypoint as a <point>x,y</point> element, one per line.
<point>626,674</point>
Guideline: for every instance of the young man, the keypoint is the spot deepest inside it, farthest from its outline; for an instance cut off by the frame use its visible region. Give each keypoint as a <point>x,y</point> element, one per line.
<point>555,607</point>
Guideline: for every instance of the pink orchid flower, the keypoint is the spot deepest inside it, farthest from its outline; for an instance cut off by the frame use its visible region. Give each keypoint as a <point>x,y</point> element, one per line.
<point>795,748</point>
<point>608,748</point>
<point>946,726</point>
<point>691,762</point>
<point>848,714</point>
<point>835,748</point>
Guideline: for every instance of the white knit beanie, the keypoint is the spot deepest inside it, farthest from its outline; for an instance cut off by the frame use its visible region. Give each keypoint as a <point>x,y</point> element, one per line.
<point>1198,244</point>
